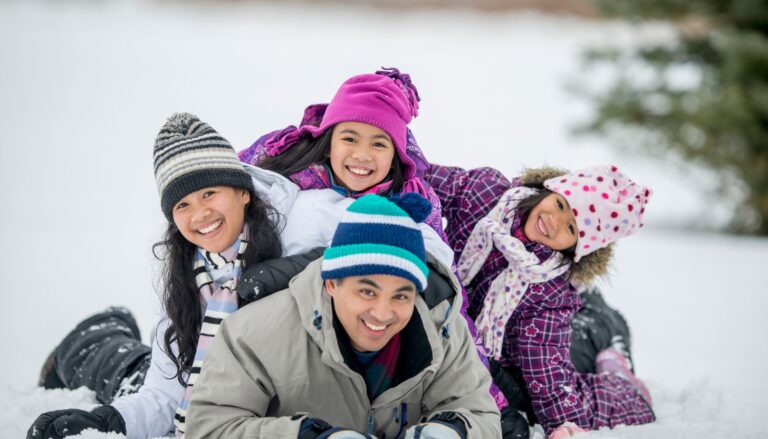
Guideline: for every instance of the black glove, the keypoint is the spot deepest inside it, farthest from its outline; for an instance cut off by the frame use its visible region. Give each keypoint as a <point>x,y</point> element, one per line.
<point>267,277</point>
<point>313,428</point>
<point>513,424</point>
<point>61,423</point>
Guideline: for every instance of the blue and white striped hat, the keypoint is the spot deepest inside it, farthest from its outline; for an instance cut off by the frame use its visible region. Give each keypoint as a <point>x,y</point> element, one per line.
<point>377,235</point>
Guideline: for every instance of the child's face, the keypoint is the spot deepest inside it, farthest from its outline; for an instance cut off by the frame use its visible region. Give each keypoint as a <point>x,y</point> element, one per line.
<point>213,217</point>
<point>372,308</point>
<point>361,155</point>
<point>551,222</point>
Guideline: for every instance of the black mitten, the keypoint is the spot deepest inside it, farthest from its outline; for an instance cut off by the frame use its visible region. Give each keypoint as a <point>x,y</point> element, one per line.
<point>513,424</point>
<point>267,277</point>
<point>61,423</point>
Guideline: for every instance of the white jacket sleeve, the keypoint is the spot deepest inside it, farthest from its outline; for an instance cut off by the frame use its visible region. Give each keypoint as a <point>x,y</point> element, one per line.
<point>312,220</point>
<point>149,412</point>
<point>315,214</point>
<point>307,218</point>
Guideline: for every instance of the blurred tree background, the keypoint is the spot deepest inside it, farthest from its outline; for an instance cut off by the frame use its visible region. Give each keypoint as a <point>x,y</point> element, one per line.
<point>717,117</point>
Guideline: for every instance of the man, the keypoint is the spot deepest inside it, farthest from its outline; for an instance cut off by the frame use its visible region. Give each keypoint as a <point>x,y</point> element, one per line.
<point>353,348</point>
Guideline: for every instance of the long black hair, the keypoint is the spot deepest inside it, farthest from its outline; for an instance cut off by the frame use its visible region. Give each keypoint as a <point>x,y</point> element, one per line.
<point>524,209</point>
<point>180,297</point>
<point>308,151</point>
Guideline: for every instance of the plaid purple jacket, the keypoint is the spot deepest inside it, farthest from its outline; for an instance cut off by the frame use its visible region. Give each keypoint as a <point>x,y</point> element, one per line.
<point>538,335</point>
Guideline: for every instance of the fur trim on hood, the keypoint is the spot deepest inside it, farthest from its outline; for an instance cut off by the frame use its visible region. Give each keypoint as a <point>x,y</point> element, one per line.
<point>591,266</point>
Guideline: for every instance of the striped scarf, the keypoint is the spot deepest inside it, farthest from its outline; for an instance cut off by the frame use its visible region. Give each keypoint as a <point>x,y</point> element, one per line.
<point>216,275</point>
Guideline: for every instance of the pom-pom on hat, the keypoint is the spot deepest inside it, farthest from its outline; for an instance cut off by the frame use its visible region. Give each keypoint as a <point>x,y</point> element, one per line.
<point>387,100</point>
<point>377,235</point>
<point>607,205</point>
<point>189,155</point>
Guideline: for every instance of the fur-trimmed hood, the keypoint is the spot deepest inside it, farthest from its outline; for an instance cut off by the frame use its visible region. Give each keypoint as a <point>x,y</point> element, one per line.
<point>591,266</point>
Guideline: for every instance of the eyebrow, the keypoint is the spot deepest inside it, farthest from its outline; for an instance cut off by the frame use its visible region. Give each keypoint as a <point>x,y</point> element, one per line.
<point>406,289</point>
<point>377,136</point>
<point>370,282</point>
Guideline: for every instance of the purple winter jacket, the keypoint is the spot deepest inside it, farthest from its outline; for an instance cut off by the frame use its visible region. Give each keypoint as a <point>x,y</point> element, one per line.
<point>538,334</point>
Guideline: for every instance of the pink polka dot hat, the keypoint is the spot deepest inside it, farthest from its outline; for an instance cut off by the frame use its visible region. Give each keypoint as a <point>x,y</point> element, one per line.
<point>607,205</point>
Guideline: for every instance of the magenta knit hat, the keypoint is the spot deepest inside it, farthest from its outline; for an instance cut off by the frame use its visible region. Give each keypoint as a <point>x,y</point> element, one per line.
<point>387,100</point>
<point>607,205</point>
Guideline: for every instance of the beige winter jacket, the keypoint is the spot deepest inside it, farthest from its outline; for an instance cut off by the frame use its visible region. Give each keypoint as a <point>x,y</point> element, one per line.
<point>279,357</point>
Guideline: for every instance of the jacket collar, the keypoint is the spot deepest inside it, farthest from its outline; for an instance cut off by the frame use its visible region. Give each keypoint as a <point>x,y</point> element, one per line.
<point>424,331</point>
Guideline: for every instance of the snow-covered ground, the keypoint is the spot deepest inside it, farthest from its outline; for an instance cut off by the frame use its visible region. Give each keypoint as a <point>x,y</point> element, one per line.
<point>84,87</point>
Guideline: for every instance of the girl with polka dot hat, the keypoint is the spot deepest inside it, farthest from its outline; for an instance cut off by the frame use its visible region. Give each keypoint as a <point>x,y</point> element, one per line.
<point>521,246</point>
<point>605,204</point>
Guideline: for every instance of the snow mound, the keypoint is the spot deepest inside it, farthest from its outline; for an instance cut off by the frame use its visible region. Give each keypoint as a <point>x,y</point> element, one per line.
<point>694,411</point>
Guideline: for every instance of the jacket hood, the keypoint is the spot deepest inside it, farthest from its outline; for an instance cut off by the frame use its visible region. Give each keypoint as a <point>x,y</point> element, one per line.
<point>279,191</point>
<point>591,266</point>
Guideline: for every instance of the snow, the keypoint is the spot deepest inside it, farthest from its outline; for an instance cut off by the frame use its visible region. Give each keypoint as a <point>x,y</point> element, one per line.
<point>86,85</point>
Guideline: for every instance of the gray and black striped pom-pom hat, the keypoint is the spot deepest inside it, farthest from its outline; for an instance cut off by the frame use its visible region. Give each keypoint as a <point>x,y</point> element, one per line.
<point>189,156</point>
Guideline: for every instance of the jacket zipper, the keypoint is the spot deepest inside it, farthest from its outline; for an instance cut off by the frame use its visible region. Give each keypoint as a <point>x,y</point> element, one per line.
<point>370,422</point>
<point>402,419</point>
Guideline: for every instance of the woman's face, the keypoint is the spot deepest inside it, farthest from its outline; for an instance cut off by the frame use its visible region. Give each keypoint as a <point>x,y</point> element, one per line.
<point>551,222</point>
<point>361,155</point>
<point>212,218</point>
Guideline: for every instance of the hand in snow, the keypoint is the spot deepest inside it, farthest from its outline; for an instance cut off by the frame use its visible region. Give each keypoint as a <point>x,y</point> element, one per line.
<point>565,431</point>
<point>61,423</point>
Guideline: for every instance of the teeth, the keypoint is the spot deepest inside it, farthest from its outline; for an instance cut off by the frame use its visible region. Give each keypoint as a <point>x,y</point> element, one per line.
<point>210,228</point>
<point>542,228</point>
<point>374,327</point>
<point>359,171</point>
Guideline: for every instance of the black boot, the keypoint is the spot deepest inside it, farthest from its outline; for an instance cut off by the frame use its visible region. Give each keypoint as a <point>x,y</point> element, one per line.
<point>49,379</point>
<point>597,326</point>
<point>102,353</point>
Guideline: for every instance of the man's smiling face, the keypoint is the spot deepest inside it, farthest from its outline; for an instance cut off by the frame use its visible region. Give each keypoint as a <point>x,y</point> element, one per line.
<point>372,308</point>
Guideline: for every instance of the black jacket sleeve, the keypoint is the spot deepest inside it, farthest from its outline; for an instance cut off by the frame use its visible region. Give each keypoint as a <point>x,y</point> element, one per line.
<point>267,277</point>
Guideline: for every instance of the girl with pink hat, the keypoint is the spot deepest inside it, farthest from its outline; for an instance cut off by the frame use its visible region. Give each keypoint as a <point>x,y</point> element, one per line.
<point>357,144</point>
<point>521,247</point>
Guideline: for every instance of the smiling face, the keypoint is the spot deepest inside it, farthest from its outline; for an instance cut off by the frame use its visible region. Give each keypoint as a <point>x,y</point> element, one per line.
<point>213,217</point>
<point>552,223</point>
<point>372,308</point>
<point>361,155</point>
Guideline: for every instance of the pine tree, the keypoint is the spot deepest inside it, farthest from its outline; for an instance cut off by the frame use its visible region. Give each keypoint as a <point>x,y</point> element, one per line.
<point>721,120</point>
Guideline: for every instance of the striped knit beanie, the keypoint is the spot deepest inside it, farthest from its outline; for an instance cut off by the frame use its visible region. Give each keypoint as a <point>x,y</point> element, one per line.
<point>377,235</point>
<point>189,156</point>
